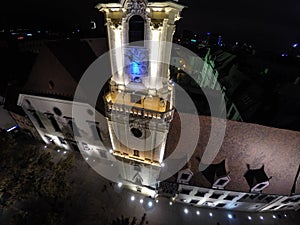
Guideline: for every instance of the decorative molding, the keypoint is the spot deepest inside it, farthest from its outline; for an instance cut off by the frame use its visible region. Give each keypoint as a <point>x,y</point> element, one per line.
<point>123,2</point>
<point>135,7</point>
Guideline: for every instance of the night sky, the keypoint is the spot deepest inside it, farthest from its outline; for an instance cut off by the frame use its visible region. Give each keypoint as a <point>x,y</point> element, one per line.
<point>264,23</point>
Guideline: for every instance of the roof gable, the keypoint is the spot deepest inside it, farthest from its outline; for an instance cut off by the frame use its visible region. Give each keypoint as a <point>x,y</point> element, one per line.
<point>59,67</point>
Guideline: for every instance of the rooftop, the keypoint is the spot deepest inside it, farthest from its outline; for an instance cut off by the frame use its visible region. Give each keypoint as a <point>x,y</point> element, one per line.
<point>244,143</point>
<point>59,67</point>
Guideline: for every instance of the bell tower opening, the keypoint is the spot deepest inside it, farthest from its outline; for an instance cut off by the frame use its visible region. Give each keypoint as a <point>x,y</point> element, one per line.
<point>136,30</point>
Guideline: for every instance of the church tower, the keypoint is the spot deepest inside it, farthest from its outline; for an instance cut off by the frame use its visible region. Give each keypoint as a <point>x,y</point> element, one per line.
<point>140,102</point>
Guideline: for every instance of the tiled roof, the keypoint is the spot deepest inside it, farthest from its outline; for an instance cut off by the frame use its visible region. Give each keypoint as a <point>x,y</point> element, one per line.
<point>244,143</point>
<point>59,67</point>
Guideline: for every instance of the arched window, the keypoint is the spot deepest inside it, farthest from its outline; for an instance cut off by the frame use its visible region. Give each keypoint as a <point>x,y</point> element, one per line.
<point>136,29</point>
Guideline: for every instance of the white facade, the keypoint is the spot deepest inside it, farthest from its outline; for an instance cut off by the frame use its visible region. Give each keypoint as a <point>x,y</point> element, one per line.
<point>232,200</point>
<point>91,138</point>
<point>57,129</point>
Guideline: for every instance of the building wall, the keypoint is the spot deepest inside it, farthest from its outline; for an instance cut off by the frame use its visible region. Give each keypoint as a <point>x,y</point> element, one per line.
<point>237,149</point>
<point>44,108</point>
<point>95,146</point>
<point>26,125</point>
<point>232,200</point>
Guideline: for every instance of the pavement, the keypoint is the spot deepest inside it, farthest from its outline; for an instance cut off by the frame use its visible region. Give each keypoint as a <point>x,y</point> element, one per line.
<point>99,201</point>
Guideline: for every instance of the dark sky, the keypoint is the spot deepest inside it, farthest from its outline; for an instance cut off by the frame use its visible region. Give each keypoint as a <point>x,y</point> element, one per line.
<point>268,24</point>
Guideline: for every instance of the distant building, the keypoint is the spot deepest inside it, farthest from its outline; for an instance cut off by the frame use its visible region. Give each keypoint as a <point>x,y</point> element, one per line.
<point>194,73</point>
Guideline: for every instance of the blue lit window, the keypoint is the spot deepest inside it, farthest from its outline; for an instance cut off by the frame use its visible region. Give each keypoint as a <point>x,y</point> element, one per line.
<point>135,69</point>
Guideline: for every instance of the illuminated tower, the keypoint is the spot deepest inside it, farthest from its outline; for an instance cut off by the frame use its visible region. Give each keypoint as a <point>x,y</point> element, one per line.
<point>140,102</point>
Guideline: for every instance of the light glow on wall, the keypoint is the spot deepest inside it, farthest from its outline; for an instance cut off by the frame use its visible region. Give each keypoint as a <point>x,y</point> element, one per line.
<point>154,57</point>
<point>115,9</point>
<point>157,9</point>
<point>118,54</point>
<point>162,151</point>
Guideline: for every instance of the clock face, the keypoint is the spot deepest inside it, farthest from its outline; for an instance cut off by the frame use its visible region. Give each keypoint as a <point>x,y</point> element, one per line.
<point>136,63</point>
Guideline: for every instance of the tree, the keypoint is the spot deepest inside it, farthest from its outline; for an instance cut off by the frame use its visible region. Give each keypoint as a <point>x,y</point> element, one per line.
<point>127,221</point>
<point>28,175</point>
<point>124,221</point>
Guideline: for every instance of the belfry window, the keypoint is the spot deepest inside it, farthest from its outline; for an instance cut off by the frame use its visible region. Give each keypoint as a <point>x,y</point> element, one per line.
<point>136,30</point>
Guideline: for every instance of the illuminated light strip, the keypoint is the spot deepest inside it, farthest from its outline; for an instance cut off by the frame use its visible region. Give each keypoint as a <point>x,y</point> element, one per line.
<point>111,135</point>
<point>162,151</point>
<point>12,128</point>
<point>135,159</point>
<point>157,9</point>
